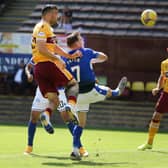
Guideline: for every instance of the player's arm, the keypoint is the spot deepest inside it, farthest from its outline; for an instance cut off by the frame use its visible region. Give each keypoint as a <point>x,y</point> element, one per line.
<point>160,82</point>
<point>41,45</point>
<point>62,52</point>
<point>28,69</point>
<point>159,85</point>
<point>41,39</point>
<point>101,57</point>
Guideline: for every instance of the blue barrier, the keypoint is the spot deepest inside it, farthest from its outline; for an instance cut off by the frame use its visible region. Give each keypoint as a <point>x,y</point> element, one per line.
<point>8,62</point>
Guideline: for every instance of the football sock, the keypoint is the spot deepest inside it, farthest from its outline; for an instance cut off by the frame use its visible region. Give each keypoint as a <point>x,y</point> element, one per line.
<point>115,92</point>
<point>77,132</point>
<point>31,133</point>
<point>153,129</point>
<point>80,144</point>
<point>72,100</point>
<point>71,127</point>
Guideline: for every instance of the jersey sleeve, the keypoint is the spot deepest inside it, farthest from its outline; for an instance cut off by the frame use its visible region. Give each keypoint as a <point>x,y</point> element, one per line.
<point>92,53</point>
<point>43,33</point>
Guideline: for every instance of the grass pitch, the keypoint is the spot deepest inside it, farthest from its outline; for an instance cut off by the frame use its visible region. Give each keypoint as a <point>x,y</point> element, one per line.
<point>107,149</point>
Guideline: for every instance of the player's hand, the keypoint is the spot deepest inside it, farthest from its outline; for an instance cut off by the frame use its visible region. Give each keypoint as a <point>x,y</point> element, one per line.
<point>155,91</point>
<point>30,78</point>
<point>76,54</point>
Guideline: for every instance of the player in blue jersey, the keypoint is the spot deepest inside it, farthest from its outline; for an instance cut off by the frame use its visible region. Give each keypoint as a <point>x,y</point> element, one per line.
<point>89,90</point>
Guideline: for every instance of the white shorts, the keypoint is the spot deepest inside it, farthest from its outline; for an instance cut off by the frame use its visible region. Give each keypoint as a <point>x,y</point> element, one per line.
<point>40,103</point>
<point>97,94</point>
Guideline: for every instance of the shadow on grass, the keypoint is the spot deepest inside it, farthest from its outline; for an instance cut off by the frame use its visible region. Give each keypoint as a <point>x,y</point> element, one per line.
<point>160,152</point>
<point>50,157</point>
<point>88,163</point>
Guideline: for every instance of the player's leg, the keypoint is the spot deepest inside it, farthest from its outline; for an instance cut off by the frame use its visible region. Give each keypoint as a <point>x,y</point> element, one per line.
<point>62,77</point>
<point>46,115</point>
<point>72,124</point>
<point>82,108</point>
<point>82,123</point>
<point>38,105</point>
<point>71,91</point>
<point>100,92</point>
<point>153,129</point>
<point>119,90</point>
<point>34,117</point>
<point>68,117</point>
<point>48,78</point>
<point>161,108</point>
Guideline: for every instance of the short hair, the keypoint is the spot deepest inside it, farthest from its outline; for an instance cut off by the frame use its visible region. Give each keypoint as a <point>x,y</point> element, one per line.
<point>72,38</point>
<point>48,8</point>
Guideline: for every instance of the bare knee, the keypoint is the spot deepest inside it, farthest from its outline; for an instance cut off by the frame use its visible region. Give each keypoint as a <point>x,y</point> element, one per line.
<point>157,116</point>
<point>72,88</point>
<point>72,82</point>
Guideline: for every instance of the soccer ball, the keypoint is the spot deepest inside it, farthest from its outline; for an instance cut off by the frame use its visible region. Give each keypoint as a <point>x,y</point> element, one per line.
<point>149,17</point>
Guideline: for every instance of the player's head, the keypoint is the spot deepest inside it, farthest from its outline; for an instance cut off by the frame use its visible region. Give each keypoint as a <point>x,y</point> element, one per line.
<point>75,41</point>
<point>50,14</point>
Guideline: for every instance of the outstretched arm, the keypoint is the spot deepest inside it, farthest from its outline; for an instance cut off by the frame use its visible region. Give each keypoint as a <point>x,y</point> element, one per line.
<point>41,44</point>
<point>28,69</point>
<point>100,58</point>
<point>159,85</point>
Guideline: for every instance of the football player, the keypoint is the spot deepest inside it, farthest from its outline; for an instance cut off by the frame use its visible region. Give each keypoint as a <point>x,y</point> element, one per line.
<point>89,90</point>
<point>161,106</point>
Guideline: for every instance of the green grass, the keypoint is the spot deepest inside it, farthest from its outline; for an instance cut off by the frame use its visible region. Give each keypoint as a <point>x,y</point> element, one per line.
<point>115,149</point>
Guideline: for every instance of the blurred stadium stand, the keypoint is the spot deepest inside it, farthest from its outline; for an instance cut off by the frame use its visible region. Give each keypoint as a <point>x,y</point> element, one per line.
<point>111,26</point>
<point>14,13</point>
<point>109,17</point>
<point>108,114</point>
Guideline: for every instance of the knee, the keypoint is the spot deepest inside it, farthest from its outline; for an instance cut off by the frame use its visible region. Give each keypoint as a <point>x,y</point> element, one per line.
<point>156,117</point>
<point>72,82</point>
<point>72,88</point>
<point>34,117</point>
